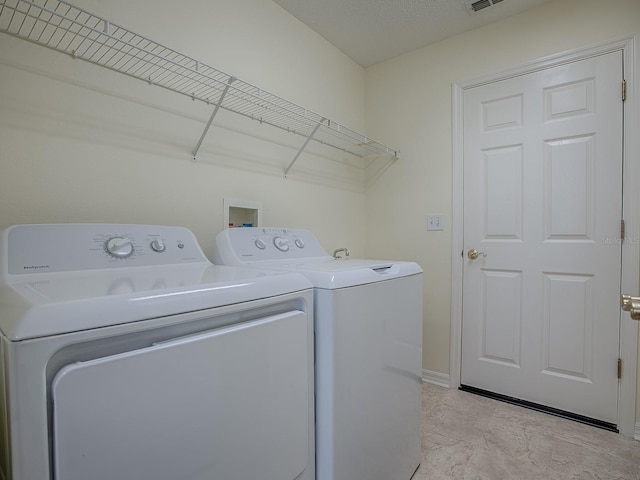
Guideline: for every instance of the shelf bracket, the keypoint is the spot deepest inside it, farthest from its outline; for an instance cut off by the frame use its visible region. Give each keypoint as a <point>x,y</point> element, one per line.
<point>304,145</point>
<point>194,154</point>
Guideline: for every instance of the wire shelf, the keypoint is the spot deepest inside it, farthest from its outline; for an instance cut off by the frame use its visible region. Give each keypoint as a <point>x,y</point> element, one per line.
<point>66,28</point>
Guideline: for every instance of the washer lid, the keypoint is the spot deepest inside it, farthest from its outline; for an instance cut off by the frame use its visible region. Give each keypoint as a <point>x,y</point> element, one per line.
<point>49,304</point>
<point>341,273</point>
<point>299,250</point>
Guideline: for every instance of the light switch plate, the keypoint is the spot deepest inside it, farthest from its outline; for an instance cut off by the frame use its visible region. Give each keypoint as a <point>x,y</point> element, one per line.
<point>435,222</point>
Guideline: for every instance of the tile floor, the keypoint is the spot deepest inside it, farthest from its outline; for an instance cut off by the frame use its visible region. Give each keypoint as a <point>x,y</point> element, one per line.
<point>466,436</point>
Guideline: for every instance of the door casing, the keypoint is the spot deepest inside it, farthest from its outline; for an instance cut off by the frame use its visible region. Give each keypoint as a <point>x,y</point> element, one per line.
<point>631,211</point>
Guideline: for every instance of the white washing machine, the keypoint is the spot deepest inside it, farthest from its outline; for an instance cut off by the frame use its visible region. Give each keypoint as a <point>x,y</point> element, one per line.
<point>126,355</point>
<point>368,332</point>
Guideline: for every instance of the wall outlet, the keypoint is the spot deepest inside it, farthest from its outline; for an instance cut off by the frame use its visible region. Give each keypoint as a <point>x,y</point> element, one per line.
<point>435,222</point>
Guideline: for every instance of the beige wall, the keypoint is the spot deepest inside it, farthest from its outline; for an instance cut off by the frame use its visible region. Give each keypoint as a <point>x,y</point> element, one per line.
<point>82,144</point>
<point>79,143</point>
<point>408,102</point>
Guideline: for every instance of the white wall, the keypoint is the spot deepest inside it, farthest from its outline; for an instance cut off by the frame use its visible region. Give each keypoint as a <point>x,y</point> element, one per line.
<point>408,103</point>
<point>84,144</point>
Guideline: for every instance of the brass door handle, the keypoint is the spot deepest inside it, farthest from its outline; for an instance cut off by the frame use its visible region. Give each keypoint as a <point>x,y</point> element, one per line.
<point>631,304</point>
<point>473,254</point>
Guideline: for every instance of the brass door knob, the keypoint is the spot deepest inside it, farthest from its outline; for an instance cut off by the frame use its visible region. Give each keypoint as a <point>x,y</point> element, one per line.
<point>473,254</point>
<point>631,304</point>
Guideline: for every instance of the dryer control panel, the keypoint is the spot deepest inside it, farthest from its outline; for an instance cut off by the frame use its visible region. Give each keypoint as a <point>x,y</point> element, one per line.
<point>238,246</point>
<point>73,247</point>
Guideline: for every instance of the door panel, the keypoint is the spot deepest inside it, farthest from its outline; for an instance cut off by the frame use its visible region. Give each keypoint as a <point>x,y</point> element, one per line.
<point>567,340</point>
<point>543,199</point>
<point>502,319</point>
<point>503,167</point>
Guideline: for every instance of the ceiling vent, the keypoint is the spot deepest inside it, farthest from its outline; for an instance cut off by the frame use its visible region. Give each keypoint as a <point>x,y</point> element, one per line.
<point>478,5</point>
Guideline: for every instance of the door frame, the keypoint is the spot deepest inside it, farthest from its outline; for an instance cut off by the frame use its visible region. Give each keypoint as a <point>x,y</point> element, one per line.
<point>630,204</point>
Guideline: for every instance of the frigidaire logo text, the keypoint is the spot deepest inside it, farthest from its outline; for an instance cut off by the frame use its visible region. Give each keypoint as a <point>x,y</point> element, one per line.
<point>35,267</point>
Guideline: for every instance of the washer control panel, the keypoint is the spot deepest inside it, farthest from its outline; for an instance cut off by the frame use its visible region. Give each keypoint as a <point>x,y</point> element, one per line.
<point>252,244</point>
<point>73,247</point>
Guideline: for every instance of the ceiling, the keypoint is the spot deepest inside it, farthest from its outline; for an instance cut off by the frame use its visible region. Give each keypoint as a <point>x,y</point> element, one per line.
<point>370,31</point>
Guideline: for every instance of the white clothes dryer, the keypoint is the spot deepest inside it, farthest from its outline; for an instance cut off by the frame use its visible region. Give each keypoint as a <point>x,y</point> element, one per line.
<point>368,334</point>
<point>126,355</point>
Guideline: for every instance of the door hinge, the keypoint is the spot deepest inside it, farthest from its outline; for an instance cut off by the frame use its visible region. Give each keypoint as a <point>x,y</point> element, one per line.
<point>619,368</point>
<point>622,230</point>
<point>624,90</point>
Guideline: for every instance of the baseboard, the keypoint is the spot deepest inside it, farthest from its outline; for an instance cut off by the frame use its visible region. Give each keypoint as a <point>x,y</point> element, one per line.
<point>637,434</point>
<point>436,378</point>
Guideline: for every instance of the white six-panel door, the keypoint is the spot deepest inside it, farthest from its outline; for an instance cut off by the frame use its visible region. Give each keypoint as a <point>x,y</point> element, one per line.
<point>543,199</point>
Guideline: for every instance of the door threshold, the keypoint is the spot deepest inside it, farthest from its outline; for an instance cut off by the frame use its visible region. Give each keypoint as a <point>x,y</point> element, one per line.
<point>542,408</point>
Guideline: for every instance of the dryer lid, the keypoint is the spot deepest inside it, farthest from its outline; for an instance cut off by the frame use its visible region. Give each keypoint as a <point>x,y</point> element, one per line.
<point>80,286</point>
<point>54,304</point>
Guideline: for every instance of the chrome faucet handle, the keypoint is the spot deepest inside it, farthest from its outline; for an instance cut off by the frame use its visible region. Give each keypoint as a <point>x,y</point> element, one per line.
<point>340,250</point>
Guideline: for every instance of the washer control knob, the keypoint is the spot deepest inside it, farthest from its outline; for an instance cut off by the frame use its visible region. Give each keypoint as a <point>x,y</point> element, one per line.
<point>260,244</point>
<point>158,245</point>
<point>281,244</point>
<point>299,243</point>
<point>119,247</point>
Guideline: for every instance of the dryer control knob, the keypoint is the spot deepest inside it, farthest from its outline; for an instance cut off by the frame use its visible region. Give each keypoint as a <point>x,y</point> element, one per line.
<point>299,243</point>
<point>158,245</point>
<point>119,247</point>
<point>260,244</point>
<point>281,244</point>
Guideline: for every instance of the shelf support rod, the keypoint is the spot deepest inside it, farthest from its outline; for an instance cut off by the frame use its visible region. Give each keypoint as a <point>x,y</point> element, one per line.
<point>194,154</point>
<point>304,145</point>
